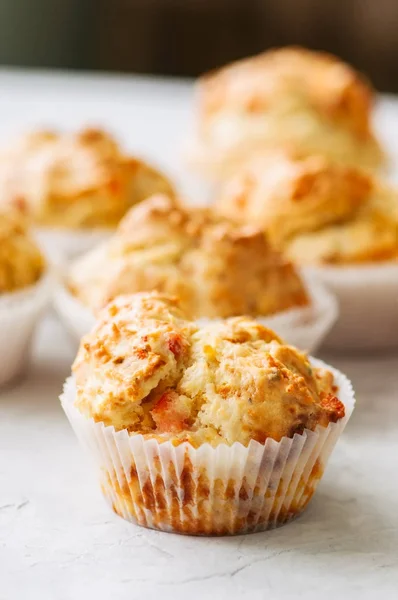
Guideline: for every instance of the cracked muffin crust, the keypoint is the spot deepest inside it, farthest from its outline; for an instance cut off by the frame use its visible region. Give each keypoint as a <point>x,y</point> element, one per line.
<point>75,180</point>
<point>291,98</point>
<point>315,211</point>
<point>148,369</point>
<point>215,267</point>
<point>21,262</point>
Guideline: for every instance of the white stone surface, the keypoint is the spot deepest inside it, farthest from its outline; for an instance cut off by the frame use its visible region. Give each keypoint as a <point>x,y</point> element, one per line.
<point>59,540</point>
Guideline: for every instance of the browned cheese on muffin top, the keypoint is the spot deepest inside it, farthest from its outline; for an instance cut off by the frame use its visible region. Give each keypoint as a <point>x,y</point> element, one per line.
<point>21,262</point>
<point>75,180</point>
<point>216,268</point>
<point>291,98</point>
<point>148,369</point>
<point>314,210</point>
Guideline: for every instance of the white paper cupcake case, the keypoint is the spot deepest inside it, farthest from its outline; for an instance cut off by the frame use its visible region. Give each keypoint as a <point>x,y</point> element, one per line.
<point>208,491</point>
<point>304,327</point>
<point>20,312</point>
<point>69,243</point>
<point>368,306</point>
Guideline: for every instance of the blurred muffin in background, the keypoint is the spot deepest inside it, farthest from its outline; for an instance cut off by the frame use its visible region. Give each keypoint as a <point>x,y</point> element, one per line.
<point>215,267</point>
<point>290,98</point>
<point>318,212</point>
<point>75,186</point>
<point>24,292</point>
<point>78,180</point>
<point>21,262</point>
<point>340,223</point>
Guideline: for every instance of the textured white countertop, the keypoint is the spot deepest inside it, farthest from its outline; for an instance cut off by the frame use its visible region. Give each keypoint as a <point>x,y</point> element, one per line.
<point>59,540</point>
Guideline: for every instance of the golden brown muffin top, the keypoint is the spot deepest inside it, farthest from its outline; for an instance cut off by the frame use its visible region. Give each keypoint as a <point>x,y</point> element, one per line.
<point>215,267</point>
<point>332,87</point>
<point>291,98</point>
<point>21,262</point>
<point>147,369</point>
<point>82,179</point>
<point>316,211</point>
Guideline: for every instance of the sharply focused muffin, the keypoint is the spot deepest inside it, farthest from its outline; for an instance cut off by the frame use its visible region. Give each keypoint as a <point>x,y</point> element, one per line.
<point>316,211</point>
<point>79,180</point>
<point>21,262</point>
<point>291,98</point>
<point>215,267</point>
<point>147,369</point>
<point>215,428</point>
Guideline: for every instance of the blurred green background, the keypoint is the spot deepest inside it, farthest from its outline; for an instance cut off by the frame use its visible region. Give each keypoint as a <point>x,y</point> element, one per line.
<point>177,37</point>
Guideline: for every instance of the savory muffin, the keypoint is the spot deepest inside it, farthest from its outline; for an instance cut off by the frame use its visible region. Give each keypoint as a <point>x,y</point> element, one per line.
<point>215,267</point>
<point>79,180</point>
<point>291,98</point>
<point>21,262</point>
<point>316,211</point>
<point>214,429</point>
<point>147,369</point>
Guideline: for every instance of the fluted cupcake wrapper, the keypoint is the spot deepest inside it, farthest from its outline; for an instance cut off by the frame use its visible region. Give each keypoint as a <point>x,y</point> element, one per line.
<point>368,305</point>
<point>304,327</point>
<point>20,312</point>
<point>208,491</point>
<point>70,243</point>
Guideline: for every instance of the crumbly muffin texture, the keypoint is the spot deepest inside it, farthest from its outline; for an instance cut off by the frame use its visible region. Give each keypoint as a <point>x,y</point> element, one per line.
<point>215,267</point>
<point>314,210</point>
<point>291,98</point>
<point>148,369</point>
<point>75,180</point>
<point>21,262</point>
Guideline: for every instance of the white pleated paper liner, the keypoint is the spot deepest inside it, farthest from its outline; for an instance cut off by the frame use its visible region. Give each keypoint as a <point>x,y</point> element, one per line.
<point>304,327</point>
<point>70,243</point>
<point>20,313</point>
<point>208,491</point>
<point>368,306</point>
